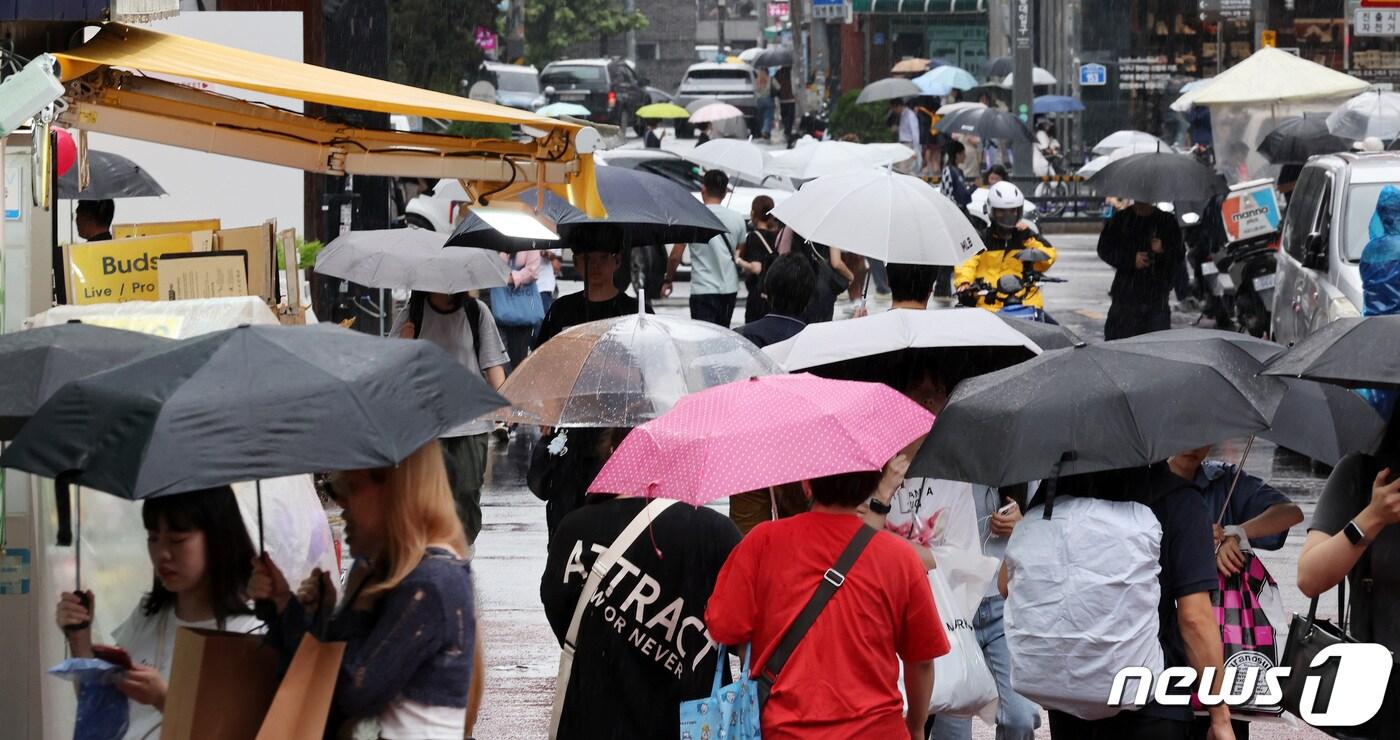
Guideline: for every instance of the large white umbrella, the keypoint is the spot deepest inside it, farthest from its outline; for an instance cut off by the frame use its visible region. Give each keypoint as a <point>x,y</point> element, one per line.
<point>890,331</point>
<point>412,259</point>
<point>734,156</point>
<point>1138,147</point>
<point>1374,113</point>
<point>1127,138</point>
<point>1272,75</point>
<point>882,214</point>
<point>1039,76</point>
<point>835,157</point>
<point>888,89</point>
<point>748,55</point>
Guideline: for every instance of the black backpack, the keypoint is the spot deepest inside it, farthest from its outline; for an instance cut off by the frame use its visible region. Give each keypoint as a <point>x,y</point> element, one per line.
<point>418,300</point>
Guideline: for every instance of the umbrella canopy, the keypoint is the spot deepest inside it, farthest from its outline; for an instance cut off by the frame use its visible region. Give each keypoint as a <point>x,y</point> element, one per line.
<point>554,110</point>
<point>412,259</point>
<point>889,331</point>
<point>1195,85</point>
<point>999,67</point>
<point>642,209</point>
<point>834,158</point>
<point>1155,178</point>
<point>715,112</point>
<point>882,214</point>
<point>1298,138</point>
<point>888,89</point>
<point>1353,352</point>
<point>950,108</point>
<point>1046,336</point>
<point>625,371</point>
<point>748,55</point>
<point>1127,138</point>
<point>984,122</point>
<point>943,80</point>
<point>1095,407</point>
<point>1056,104</point>
<point>699,103</point>
<point>1101,161</point>
<point>1272,75</point>
<point>109,176</point>
<point>773,56</point>
<point>249,403</point>
<point>696,453</point>
<point>37,362</point>
<point>734,156</point>
<point>1374,113</point>
<point>662,110</point>
<point>1039,76</point>
<point>909,66</point>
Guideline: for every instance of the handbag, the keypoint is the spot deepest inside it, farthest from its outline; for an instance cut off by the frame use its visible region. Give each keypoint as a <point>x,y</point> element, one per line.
<point>832,580</point>
<point>730,712</point>
<point>517,305</point>
<point>601,567</point>
<point>1246,631</point>
<point>964,684</point>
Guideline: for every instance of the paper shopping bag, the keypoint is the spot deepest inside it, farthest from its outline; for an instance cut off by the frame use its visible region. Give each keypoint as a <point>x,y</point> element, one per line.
<point>303,700</point>
<point>221,684</point>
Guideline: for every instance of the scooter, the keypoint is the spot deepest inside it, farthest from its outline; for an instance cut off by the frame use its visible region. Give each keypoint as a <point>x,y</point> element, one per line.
<point>1247,268</point>
<point>1011,291</point>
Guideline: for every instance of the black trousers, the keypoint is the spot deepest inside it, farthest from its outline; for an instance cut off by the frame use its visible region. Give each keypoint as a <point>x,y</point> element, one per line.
<point>716,308</point>
<point>1131,318</point>
<point>789,113</point>
<point>1121,726</point>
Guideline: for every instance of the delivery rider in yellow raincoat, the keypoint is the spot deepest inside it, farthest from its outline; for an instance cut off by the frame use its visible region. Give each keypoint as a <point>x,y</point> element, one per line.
<point>1005,236</point>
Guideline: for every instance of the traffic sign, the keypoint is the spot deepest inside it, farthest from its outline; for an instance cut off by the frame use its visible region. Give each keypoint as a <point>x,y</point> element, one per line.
<point>1093,75</point>
<point>1269,39</point>
<point>1376,22</point>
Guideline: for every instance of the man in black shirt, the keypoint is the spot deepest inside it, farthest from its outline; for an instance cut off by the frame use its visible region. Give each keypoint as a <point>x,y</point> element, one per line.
<point>642,646</point>
<point>1144,247</point>
<point>599,299</point>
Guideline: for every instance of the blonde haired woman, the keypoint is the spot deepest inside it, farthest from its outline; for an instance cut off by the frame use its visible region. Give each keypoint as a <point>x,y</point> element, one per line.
<point>409,615</point>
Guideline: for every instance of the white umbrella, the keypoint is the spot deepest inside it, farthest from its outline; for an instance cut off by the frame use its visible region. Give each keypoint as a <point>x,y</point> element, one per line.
<point>882,214</point>
<point>734,156</point>
<point>412,259</point>
<point>1039,76</point>
<point>1272,75</point>
<point>1139,147</point>
<point>890,331</point>
<point>715,112</point>
<point>1374,113</point>
<point>835,157</point>
<point>960,106</point>
<point>1124,139</point>
<point>747,55</point>
<point>888,89</point>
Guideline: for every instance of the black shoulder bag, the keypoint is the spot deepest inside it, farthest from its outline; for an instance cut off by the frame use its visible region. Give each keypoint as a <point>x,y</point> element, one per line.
<point>831,581</point>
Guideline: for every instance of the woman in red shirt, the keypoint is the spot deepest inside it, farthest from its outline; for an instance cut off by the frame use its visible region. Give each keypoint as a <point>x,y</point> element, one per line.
<point>842,681</point>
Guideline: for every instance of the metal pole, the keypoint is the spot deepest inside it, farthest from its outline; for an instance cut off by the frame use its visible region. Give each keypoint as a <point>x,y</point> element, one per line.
<point>797,12</point>
<point>722,8</point>
<point>1022,93</point>
<point>631,38</point>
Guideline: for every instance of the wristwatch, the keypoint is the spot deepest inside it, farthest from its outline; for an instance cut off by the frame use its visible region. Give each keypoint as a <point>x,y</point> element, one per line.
<point>878,506</point>
<point>1354,533</point>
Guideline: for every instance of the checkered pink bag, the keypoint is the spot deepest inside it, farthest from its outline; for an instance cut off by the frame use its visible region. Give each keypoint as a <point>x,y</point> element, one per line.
<point>1245,629</point>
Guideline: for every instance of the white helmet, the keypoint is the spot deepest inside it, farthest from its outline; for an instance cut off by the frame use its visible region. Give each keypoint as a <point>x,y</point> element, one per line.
<point>1005,195</point>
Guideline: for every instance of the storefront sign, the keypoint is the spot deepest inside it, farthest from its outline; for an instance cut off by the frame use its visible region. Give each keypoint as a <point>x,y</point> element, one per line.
<point>1021,23</point>
<point>1093,75</point>
<point>485,39</point>
<point>779,10</point>
<point>833,10</point>
<point>120,270</point>
<point>1145,73</point>
<point>1376,22</point>
<point>1250,212</point>
<point>1214,11</point>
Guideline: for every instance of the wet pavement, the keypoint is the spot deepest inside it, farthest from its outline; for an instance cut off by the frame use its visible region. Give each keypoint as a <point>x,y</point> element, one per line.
<point>522,654</point>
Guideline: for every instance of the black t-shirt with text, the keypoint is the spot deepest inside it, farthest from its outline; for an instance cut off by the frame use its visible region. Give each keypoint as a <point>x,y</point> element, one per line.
<point>642,646</point>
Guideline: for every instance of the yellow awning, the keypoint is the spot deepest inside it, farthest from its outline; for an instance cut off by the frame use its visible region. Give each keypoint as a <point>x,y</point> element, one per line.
<point>143,50</point>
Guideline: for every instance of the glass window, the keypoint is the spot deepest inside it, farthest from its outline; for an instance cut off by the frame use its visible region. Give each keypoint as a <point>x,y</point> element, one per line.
<point>570,74</point>
<point>1361,209</point>
<point>517,80</point>
<point>1302,211</point>
<point>738,73</point>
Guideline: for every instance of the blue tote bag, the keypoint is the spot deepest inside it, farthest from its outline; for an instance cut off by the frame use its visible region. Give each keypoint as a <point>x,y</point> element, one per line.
<point>517,306</point>
<point>729,713</point>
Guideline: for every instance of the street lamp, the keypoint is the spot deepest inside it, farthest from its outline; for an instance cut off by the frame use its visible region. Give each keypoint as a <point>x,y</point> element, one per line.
<point>722,4</point>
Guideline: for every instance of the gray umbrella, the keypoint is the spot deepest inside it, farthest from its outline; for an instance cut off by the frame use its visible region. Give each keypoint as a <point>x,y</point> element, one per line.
<point>249,403</point>
<point>410,258</point>
<point>773,56</point>
<point>888,89</point>
<point>1046,336</point>
<point>110,176</point>
<point>36,363</point>
<point>1155,177</point>
<point>1095,407</point>
<point>987,123</point>
<point>1354,353</point>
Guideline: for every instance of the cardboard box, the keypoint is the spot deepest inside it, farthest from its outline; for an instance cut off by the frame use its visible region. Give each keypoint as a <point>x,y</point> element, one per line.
<point>203,275</point>
<point>221,685</point>
<point>257,242</point>
<point>128,231</point>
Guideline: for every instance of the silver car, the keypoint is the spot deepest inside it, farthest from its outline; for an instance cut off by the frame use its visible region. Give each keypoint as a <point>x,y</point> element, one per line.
<point>1324,231</point>
<point>726,83</point>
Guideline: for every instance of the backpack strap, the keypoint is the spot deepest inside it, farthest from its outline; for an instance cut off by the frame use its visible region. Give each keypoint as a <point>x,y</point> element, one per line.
<point>415,311</point>
<point>832,580</point>
<point>472,307</point>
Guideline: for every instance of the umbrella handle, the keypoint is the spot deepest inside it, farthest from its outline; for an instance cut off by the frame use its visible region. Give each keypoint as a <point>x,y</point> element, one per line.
<point>264,609</point>
<point>1239,471</point>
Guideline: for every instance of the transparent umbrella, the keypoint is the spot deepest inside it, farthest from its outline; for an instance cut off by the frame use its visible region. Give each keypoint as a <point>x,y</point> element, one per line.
<point>625,371</point>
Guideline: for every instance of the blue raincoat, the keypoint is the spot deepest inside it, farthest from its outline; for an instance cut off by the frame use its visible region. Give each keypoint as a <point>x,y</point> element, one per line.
<point>1380,276</point>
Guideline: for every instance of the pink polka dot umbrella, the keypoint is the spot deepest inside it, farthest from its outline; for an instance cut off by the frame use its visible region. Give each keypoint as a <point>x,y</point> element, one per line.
<point>751,434</point>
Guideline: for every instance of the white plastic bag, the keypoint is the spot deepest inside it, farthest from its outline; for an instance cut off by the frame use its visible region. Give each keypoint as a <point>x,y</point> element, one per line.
<point>962,683</point>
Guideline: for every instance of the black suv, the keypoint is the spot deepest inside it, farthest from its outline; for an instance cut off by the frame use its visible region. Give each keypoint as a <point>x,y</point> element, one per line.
<point>609,88</point>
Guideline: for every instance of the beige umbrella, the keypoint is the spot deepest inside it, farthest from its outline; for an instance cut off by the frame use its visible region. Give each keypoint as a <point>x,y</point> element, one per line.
<point>910,65</point>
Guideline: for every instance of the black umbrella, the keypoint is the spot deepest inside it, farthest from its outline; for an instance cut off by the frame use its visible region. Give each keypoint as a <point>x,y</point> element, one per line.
<point>1095,407</point>
<point>1323,422</point>
<point>1298,138</point>
<point>110,176</point>
<point>1155,177</point>
<point>642,209</point>
<point>999,67</point>
<point>987,123</point>
<point>37,362</point>
<point>1046,336</point>
<point>247,404</point>
<point>773,56</point>
<point>1354,353</point>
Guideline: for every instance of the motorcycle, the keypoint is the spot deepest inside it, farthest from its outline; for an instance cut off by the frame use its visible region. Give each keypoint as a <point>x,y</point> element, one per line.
<point>1216,303</point>
<point>1246,269</point>
<point>1011,291</point>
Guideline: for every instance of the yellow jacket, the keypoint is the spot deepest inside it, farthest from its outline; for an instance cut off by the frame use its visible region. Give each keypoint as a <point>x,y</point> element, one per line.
<point>999,260</point>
